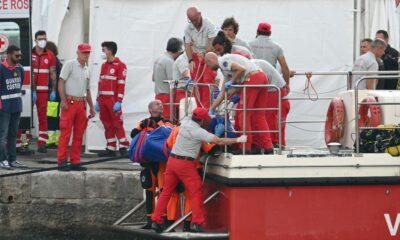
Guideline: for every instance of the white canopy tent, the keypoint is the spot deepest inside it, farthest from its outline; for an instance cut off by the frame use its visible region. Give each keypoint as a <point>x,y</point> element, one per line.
<point>315,35</point>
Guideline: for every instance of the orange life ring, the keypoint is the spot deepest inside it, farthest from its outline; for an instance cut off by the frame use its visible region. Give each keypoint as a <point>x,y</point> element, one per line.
<point>369,115</point>
<point>334,124</point>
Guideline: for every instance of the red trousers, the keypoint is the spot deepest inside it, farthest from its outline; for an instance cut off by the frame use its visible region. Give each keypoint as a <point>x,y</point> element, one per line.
<point>255,119</point>
<point>178,95</point>
<point>41,105</point>
<point>113,124</point>
<point>272,115</point>
<point>202,74</point>
<point>186,172</point>
<point>73,118</point>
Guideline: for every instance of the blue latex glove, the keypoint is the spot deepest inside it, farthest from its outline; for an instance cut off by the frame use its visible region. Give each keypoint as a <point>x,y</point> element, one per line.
<point>53,95</point>
<point>189,81</point>
<point>34,97</point>
<point>211,112</point>
<point>219,129</point>
<point>228,84</point>
<point>97,107</point>
<point>235,99</point>
<point>117,107</point>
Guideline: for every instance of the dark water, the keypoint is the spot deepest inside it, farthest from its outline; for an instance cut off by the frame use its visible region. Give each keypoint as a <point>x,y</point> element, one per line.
<point>73,233</point>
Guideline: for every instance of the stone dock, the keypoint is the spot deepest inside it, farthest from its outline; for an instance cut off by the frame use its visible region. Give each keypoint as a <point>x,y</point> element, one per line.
<point>67,203</point>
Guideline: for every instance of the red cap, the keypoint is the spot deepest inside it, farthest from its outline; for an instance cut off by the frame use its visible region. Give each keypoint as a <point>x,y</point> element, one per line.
<point>241,53</point>
<point>201,114</point>
<point>84,48</point>
<point>264,27</point>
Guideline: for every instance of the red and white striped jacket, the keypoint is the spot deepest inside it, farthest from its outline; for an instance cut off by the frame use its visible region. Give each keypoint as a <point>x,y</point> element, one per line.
<point>112,79</point>
<point>41,64</point>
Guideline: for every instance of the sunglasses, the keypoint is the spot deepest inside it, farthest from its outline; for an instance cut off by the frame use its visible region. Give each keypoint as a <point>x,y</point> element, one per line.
<point>18,55</point>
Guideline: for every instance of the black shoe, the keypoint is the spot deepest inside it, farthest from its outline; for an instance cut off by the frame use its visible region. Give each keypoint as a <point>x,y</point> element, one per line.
<point>24,151</point>
<point>148,224</point>
<point>123,152</point>
<point>51,146</point>
<point>107,153</point>
<point>168,223</point>
<point>42,149</point>
<point>196,228</point>
<point>64,166</point>
<point>157,227</point>
<point>186,226</point>
<point>77,167</point>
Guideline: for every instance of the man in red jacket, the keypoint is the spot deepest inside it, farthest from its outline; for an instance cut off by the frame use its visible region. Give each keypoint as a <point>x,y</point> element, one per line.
<point>44,67</point>
<point>109,99</point>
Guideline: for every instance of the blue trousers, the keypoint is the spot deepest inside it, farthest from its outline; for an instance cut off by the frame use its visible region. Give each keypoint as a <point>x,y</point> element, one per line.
<point>8,135</point>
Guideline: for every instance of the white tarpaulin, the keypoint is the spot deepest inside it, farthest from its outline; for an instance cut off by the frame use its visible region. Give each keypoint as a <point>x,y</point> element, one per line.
<point>315,35</point>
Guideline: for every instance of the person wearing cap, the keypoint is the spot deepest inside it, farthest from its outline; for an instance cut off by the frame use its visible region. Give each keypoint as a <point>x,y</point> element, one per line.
<point>239,70</point>
<point>111,90</point>
<point>199,34</point>
<point>265,48</point>
<point>181,166</point>
<point>163,70</point>
<point>74,90</point>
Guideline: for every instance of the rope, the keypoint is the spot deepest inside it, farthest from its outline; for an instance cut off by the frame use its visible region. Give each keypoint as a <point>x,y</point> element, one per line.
<point>314,131</point>
<point>307,86</point>
<point>55,168</point>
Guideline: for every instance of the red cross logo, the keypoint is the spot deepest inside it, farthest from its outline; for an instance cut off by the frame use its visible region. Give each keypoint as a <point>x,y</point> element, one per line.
<point>3,43</point>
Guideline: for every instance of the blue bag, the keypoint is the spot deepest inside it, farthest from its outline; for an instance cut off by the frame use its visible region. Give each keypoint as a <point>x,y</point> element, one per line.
<point>136,147</point>
<point>155,147</point>
<point>220,119</point>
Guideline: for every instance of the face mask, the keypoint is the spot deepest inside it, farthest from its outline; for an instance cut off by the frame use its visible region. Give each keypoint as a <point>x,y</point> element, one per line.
<point>42,43</point>
<point>103,55</point>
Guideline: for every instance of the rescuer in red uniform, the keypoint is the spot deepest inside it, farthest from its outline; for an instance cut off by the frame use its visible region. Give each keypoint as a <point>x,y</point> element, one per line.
<point>109,99</point>
<point>44,65</point>
<point>181,167</point>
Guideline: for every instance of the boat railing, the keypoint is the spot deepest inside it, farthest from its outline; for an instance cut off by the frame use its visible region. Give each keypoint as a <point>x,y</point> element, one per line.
<point>357,104</point>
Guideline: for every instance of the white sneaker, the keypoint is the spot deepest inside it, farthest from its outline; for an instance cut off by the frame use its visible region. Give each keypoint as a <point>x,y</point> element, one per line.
<point>4,164</point>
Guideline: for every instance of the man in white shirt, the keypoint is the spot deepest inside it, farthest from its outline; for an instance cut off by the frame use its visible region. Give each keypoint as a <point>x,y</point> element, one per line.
<point>199,34</point>
<point>367,62</point>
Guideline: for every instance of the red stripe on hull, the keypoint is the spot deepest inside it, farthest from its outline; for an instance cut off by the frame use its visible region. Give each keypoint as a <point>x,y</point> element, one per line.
<point>305,212</point>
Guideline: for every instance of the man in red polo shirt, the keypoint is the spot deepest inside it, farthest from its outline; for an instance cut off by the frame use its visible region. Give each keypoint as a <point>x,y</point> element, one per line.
<point>44,67</point>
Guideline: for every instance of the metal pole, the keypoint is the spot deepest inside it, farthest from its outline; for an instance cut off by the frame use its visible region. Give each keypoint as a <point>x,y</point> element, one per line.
<point>356,117</point>
<point>279,120</point>
<point>171,99</point>
<point>177,222</point>
<point>226,118</point>
<point>244,117</point>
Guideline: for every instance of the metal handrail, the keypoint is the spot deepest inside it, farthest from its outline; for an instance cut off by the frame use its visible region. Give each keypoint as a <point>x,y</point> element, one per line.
<point>385,78</point>
<point>172,87</point>
<point>348,74</point>
<point>179,221</point>
<point>244,109</point>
